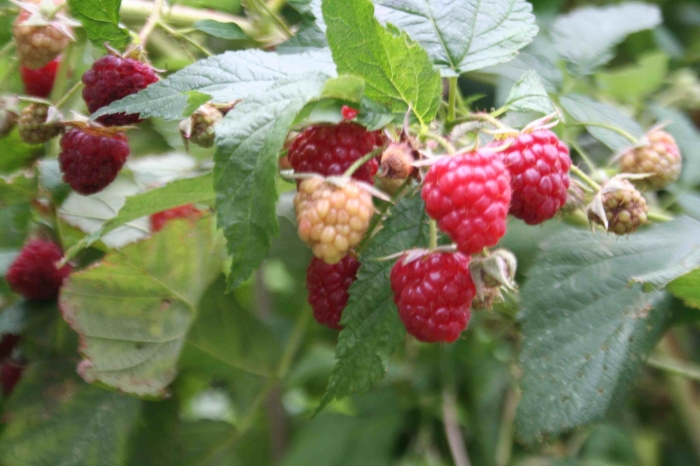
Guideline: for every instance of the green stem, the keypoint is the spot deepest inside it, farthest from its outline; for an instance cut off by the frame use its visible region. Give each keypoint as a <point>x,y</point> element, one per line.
<point>275,17</point>
<point>452,98</point>
<point>485,117</point>
<point>674,366</point>
<point>440,140</point>
<point>499,112</point>
<point>153,20</point>
<point>586,159</point>
<point>504,445</point>
<point>615,129</point>
<point>361,161</point>
<point>276,5</point>
<point>76,87</point>
<point>588,180</point>
<point>658,217</point>
<point>433,234</point>
<point>178,15</point>
<point>183,37</point>
<point>293,343</point>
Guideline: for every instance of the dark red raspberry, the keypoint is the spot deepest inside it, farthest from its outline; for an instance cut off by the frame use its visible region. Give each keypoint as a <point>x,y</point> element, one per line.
<point>328,287</point>
<point>112,78</point>
<point>33,274</point>
<point>159,220</point>
<point>91,159</point>
<point>538,163</point>
<point>469,195</point>
<point>434,295</point>
<point>330,150</point>
<point>7,344</point>
<point>10,373</point>
<point>39,83</point>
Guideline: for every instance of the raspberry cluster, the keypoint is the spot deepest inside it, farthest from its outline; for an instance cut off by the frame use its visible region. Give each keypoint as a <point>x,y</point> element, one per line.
<point>33,126</point>
<point>433,294</point>
<point>659,157</point>
<point>331,149</point>
<point>328,286</point>
<point>332,219</point>
<point>539,164</point>
<point>91,158</point>
<point>624,207</point>
<point>469,196</point>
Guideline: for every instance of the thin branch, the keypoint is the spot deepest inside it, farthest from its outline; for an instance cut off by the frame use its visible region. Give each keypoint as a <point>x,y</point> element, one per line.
<point>452,430</point>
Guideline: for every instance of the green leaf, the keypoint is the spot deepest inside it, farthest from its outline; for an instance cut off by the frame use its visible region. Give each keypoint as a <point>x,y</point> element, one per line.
<point>226,337</point>
<point>586,36</point>
<point>687,288</point>
<point>16,194</point>
<point>134,308</point>
<point>529,95</point>
<point>312,30</point>
<point>226,78</point>
<point>346,87</point>
<point>466,35</point>
<point>248,141</point>
<point>584,110</point>
<point>688,138</point>
<point>396,70</point>
<point>58,419</point>
<point>100,19</point>
<point>173,194</point>
<point>587,327</point>
<point>209,443</point>
<point>634,83</point>
<point>372,329</point>
<point>228,31</point>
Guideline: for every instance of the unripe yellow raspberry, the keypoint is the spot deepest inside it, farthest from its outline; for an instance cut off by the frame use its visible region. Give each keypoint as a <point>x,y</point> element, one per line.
<point>332,219</point>
<point>660,157</point>
<point>625,208</point>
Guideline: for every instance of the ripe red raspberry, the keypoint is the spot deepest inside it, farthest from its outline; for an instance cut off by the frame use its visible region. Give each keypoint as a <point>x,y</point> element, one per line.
<point>33,274</point>
<point>112,78</point>
<point>434,295</point>
<point>91,159</point>
<point>34,125</point>
<point>660,157</point>
<point>39,83</point>
<point>38,44</point>
<point>328,287</point>
<point>159,219</point>
<point>332,219</point>
<point>349,113</point>
<point>538,163</point>
<point>10,373</point>
<point>469,195</point>
<point>330,150</point>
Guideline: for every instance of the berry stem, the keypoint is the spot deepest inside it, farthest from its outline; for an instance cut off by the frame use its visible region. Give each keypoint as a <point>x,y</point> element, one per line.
<point>612,128</point>
<point>76,87</point>
<point>583,154</point>
<point>274,16</point>
<point>588,180</point>
<point>440,140</point>
<point>361,161</point>
<point>151,22</point>
<point>433,234</point>
<point>452,98</point>
<point>658,217</point>
<point>178,35</point>
<point>485,117</point>
<point>674,366</point>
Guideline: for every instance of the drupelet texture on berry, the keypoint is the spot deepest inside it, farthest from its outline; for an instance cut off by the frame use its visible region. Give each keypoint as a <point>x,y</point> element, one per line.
<point>328,287</point>
<point>38,45</point>
<point>112,78</point>
<point>624,207</point>
<point>332,219</point>
<point>538,163</point>
<point>433,294</point>
<point>91,159</point>
<point>331,149</point>
<point>660,158</point>
<point>200,129</point>
<point>33,126</point>
<point>33,274</point>
<point>188,211</point>
<point>469,196</point>
<point>39,83</point>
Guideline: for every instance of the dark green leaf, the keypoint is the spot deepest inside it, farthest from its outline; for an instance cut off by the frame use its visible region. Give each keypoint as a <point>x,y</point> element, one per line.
<point>134,308</point>
<point>688,138</point>
<point>209,443</point>
<point>100,19</point>
<point>588,326</point>
<point>687,288</point>
<point>584,110</point>
<point>248,141</point>
<point>57,419</point>
<point>228,31</point>
<point>226,78</point>
<point>585,37</point>
<point>174,194</point>
<point>466,35</point>
<point>372,329</point>
<point>312,30</point>
<point>396,70</point>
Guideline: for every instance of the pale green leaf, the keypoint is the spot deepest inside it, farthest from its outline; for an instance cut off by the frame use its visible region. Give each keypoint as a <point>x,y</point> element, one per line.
<point>133,309</point>
<point>635,82</point>
<point>687,288</point>
<point>100,20</point>
<point>465,35</point>
<point>396,70</point>
<point>529,95</point>
<point>228,31</point>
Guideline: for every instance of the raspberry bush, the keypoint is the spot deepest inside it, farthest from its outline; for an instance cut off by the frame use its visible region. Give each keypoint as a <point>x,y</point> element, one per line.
<point>339,232</point>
